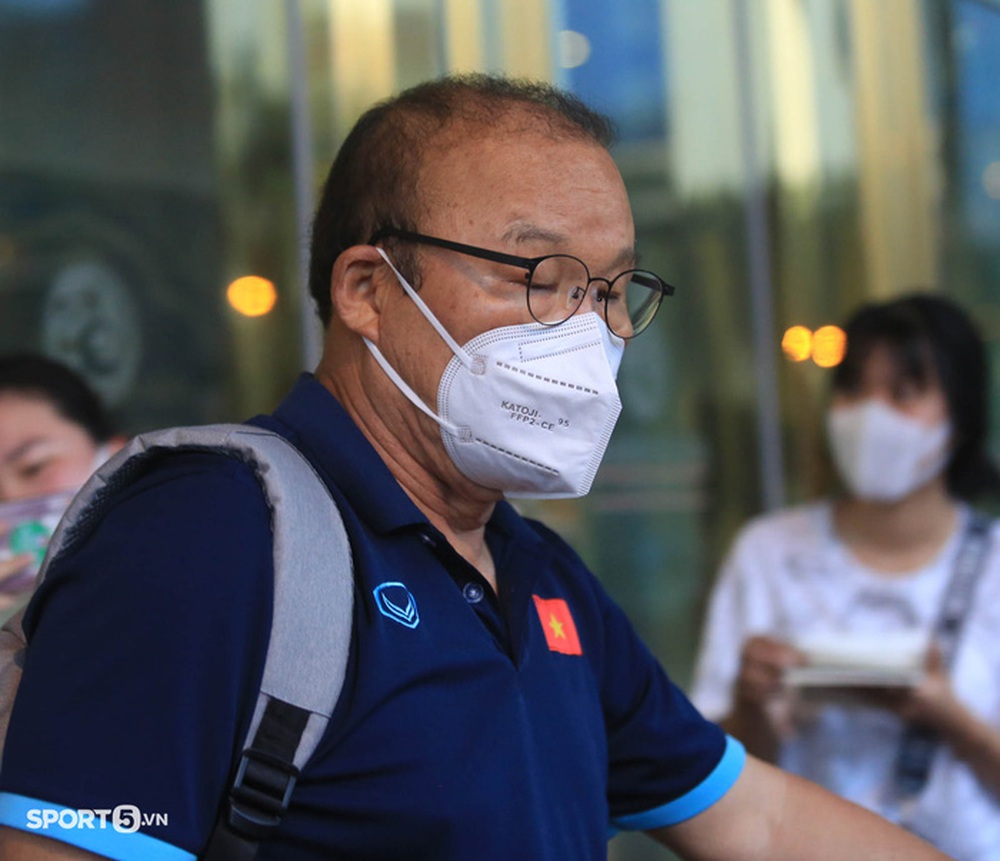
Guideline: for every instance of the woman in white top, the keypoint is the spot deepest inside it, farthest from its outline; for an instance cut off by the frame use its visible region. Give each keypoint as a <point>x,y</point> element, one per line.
<point>865,575</point>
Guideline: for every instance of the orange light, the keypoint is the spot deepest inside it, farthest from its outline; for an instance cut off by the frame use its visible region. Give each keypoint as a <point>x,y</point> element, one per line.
<point>829,344</point>
<point>797,343</point>
<point>252,295</point>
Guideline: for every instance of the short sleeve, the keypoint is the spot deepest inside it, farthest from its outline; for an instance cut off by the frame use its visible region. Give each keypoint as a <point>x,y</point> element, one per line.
<point>667,763</point>
<point>145,650</point>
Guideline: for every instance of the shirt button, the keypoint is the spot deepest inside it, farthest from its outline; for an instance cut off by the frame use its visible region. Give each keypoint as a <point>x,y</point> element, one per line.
<point>473,592</point>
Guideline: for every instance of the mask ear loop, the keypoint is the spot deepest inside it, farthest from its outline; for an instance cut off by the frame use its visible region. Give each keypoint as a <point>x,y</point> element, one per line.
<point>453,345</point>
<point>404,387</point>
<point>391,372</point>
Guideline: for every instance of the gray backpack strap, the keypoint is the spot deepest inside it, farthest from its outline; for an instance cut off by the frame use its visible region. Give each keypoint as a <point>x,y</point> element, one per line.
<point>312,617</point>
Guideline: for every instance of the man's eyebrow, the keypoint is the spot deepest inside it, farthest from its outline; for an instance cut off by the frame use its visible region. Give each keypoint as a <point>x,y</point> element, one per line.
<point>522,232</point>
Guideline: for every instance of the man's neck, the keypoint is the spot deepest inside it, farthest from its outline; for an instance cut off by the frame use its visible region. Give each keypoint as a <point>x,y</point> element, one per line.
<point>455,506</point>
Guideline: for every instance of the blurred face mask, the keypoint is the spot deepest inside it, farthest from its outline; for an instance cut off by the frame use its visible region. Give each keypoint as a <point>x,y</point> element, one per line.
<point>525,409</point>
<point>883,455</point>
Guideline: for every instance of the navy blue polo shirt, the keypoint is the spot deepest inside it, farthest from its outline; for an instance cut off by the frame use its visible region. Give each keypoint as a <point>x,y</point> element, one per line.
<point>519,724</point>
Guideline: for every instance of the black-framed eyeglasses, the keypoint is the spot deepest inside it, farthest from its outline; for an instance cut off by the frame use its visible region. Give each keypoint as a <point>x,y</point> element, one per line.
<point>557,284</point>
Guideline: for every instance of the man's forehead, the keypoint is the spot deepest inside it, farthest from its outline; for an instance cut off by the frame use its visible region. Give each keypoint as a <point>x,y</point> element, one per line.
<point>526,233</point>
<point>524,190</point>
<point>529,164</point>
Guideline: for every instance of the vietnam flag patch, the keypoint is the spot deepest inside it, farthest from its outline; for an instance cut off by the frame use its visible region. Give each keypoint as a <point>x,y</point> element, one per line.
<point>557,623</point>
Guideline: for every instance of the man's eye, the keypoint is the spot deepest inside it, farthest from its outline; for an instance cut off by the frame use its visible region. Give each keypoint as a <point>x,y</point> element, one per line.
<point>614,296</point>
<point>544,287</point>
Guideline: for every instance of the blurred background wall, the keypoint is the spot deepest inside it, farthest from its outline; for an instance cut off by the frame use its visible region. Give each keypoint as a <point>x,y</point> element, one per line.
<point>787,159</point>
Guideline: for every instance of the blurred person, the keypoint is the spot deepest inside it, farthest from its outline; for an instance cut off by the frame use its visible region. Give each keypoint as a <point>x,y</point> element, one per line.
<point>474,266</point>
<point>875,571</point>
<point>54,432</point>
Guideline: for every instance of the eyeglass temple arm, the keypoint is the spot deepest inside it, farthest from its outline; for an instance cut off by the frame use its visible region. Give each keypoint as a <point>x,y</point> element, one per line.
<point>482,253</point>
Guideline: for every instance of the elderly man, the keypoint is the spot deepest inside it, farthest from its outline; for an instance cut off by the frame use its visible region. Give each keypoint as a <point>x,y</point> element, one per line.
<point>473,261</point>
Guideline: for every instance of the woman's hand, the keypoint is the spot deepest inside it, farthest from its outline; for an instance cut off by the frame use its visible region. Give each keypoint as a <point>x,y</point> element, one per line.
<point>762,704</point>
<point>931,702</point>
<point>763,663</point>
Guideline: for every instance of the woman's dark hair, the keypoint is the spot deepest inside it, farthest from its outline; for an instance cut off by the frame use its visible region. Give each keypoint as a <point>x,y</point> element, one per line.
<point>70,395</point>
<point>373,181</point>
<point>929,336</point>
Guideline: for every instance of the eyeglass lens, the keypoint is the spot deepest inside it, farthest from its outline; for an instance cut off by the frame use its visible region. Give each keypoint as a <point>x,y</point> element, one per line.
<point>558,287</point>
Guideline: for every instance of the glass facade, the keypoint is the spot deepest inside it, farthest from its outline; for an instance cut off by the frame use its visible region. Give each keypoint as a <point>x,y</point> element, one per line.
<point>786,159</point>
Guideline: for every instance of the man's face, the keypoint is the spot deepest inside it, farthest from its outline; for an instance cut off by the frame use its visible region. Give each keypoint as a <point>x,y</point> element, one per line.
<point>519,192</point>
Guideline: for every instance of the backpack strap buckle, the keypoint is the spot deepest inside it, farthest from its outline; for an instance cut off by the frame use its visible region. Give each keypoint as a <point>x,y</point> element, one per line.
<point>260,793</point>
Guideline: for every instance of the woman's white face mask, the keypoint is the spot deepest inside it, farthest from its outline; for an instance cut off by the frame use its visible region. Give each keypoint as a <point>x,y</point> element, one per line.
<point>525,409</point>
<point>883,455</point>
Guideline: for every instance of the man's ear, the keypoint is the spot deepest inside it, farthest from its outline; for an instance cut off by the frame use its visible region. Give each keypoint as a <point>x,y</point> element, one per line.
<point>354,292</point>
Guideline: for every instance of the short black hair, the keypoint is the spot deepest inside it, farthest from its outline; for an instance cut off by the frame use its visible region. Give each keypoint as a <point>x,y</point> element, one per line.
<point>928,334</point>
<point>372,183</point>
<point>34,375</point>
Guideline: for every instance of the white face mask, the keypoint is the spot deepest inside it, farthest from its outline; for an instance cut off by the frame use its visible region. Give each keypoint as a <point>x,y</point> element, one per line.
<point>883,455</point>
<point>525,409</point>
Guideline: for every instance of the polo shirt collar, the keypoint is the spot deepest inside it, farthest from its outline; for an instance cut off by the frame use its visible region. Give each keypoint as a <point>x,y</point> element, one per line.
<point>332,441</point>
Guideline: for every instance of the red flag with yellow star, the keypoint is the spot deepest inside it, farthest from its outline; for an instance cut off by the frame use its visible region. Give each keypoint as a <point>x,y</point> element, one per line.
<point>557,623</point>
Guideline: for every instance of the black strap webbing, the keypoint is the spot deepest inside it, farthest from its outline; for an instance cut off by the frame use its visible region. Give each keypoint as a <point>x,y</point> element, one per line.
<point>918,744</point>
<point>260,792</point>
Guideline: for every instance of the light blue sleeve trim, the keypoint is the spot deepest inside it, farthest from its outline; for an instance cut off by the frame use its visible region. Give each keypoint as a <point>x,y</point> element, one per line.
<point>703,796</point>
<point>86,829</point>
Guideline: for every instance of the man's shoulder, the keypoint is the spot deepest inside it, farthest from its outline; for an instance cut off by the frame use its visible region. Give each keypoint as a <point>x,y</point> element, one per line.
<point>176,521</point>
<point>561,572</point>
<point>175,492</point>
<point>564,562</point>
<point>217,469</point>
